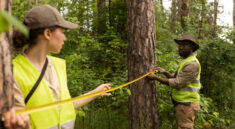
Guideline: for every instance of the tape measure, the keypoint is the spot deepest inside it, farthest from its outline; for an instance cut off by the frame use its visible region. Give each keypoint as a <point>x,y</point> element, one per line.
<point>55,104</point>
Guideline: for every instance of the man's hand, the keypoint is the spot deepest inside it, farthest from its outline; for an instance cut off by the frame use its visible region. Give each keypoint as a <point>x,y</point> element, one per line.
<point>13,121</point>
<point>152,76</point>
<point>160,70</point>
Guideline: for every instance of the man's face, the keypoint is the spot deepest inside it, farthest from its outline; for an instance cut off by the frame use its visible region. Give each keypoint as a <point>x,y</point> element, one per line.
<point>185,49</point>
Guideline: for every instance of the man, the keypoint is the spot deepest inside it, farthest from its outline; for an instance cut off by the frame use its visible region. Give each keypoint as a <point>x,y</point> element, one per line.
<point>185,82</point>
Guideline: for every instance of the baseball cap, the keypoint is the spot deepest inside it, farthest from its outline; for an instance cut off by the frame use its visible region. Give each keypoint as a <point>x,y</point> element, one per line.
<point>43,16</point>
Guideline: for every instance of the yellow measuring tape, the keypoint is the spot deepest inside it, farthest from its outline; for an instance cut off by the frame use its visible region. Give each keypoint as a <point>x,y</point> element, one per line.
<point>55,104</point>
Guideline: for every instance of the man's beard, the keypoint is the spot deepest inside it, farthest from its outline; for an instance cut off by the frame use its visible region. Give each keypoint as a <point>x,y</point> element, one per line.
<point>184,54</point>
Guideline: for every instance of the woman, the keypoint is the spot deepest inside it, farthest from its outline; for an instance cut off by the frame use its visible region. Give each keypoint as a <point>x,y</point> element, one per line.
<point>46,27</point>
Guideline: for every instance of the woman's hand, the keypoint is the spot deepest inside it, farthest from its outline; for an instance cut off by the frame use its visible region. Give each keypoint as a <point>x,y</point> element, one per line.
<point>13,121</point>
<point>103,87</point>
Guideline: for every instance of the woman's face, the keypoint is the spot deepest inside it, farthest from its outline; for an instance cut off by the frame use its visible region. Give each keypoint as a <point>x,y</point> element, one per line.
<point>56,41</point>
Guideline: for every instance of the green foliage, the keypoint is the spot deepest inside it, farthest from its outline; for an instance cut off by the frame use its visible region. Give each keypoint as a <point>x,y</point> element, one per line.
<point>113,51</point>
<point>94,58</point>
<point>217,60</point>
<point>167,58</point>
<point>6,20</point>
<point>20,8</point>
<point>118,17</point>
<point>90,63</point>
<point>208,116</point>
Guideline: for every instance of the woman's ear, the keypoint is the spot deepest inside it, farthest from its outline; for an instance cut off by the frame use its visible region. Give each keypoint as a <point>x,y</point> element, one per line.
<point>47,34</point>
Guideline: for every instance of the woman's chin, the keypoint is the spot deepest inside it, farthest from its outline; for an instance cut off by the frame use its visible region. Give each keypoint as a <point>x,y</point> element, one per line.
<point>55,52</point>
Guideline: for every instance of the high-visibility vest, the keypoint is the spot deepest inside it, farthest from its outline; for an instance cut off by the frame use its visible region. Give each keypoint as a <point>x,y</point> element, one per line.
<point>190,92</point>
<point>26,75</point>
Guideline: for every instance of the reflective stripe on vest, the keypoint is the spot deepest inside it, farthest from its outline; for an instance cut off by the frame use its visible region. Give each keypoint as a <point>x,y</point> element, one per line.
<point>190,89</point>
<point>26,75</point>
<point>68,125</point>
<point>189,93</point>
<point>196,81</point>
<point>55,127</point>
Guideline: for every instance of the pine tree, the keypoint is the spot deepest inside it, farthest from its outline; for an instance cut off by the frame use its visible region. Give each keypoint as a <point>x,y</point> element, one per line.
<point>141,59</point>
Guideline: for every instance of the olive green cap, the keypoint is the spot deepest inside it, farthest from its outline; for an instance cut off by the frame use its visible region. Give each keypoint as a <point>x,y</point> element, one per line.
<point>46,16</point>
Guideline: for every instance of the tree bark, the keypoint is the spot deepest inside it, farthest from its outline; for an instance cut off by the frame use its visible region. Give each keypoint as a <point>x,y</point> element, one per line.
<point>110,21</point>
<point>161,3</point>
<point>173,16</point>
<point>36,2</point>
<point>233,13</point>
<point>184,13</point>
<point>203,13</point>
<point>179,10</point>
<point>141,59</point>
<point>29,4</point>
<point>216,3</point>
<point>233,21</point>
<point>101,26</point>
<point>88,15</point>
<point>6,76</point>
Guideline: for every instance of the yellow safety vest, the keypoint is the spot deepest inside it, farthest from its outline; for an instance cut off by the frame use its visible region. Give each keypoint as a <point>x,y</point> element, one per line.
<point>26,76</point>
<point>189,93</point>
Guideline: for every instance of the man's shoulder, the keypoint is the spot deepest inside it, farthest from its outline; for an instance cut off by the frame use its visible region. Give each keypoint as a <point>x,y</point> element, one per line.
<point>192,65</point>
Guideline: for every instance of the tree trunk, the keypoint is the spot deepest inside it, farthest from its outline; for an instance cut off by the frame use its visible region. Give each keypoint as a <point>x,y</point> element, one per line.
<point>36,2</point>
<point>184,13</point>
<point>178,10</point>
<point>233,13</point>
<point>141,59</point>
<point>110,21</point>
<point>81,15</point>
<point>216,3</point>
<point>173,16</point>
<point>88,15</point>
<point>101,26</point>
<point>233,21</point>
<point>29,4</point>
<point>203,13</point>
<point>6,76</point>
<point>161,3</point>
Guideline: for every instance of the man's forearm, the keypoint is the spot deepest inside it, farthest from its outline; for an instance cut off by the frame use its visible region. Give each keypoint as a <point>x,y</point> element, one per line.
<point>168,75</point>
<point>162,80</point>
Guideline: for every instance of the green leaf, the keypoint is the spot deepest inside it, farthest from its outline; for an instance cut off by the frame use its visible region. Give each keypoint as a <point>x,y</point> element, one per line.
<point>4,25</point>
<point>128,91</point>
<point>12,20</point>
<point>216,114</point>
<point>210,99</point>
<point>80,113</point>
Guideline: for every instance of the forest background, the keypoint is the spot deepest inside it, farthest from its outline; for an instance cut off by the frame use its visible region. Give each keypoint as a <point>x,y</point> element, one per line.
<point>96,52</point>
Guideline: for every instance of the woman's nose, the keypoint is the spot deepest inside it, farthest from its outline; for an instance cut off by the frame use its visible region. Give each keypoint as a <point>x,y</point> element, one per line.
<point>65,38</point>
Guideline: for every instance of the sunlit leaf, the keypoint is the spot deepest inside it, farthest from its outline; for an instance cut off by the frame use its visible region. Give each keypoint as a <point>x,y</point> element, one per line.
<point>12,20</point>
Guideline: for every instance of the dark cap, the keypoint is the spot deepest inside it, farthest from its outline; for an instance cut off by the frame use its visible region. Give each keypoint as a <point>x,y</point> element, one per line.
<point>188,37</point>
<point>46,16</point>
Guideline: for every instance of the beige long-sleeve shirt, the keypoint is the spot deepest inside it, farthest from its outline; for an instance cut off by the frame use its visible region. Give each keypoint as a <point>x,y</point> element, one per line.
<point>188,74</point>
